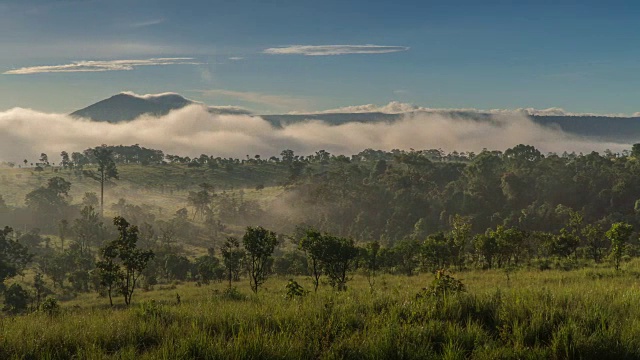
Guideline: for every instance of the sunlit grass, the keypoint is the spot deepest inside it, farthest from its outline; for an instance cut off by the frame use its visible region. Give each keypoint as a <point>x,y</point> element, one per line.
<point>589,313</point>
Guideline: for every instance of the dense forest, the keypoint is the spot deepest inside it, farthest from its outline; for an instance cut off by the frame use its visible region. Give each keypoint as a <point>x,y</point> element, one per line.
<point>421,211</point>
<point>113,224</point>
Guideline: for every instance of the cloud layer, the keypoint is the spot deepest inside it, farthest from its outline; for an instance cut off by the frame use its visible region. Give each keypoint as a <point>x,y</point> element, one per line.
<point>273,101</point>
<point>100,66</point>
<point>395,107</point>
<point>193,130</point>
<point>326,50</point>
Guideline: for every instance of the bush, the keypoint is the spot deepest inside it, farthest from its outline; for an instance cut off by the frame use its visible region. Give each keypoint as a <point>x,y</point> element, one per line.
<point>442,285</point>
<point>15,299</point>
<point>295,290</point>
<point>233,294</point>
<point>50,306</point>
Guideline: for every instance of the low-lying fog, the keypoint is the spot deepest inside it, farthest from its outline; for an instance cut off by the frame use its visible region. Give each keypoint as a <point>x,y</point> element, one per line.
<point>192,131</point>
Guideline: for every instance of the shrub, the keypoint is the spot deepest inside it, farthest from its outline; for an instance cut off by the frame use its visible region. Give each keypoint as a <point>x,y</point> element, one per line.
<point>295,290</point>
<point>442,285</point>
<point>50,306</point>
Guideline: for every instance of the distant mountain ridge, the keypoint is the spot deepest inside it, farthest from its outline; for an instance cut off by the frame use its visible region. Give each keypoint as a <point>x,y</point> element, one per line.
<point>128,106</point>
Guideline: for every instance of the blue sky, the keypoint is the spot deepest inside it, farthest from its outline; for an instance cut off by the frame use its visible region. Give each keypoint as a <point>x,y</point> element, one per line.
<point>582,56</point>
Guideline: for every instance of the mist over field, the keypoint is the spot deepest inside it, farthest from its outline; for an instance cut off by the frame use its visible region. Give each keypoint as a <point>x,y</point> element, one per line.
<point>193,131</point>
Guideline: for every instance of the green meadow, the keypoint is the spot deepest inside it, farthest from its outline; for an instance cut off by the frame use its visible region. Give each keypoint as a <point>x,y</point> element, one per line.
<point>591,313</point>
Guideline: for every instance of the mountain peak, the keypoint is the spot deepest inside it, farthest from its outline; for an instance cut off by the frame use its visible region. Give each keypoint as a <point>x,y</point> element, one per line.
<point>127,106</point>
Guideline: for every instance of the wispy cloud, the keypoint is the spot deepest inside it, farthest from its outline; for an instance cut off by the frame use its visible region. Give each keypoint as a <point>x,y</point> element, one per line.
<point>100,66</point>
<point>236,58</point>
<point>277,101</point>
<point>326,50</point>
<point>146,23</point>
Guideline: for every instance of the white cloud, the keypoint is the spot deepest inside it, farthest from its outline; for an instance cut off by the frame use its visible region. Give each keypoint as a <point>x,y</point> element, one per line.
<point>193,130</point>
<point>395,107</point>
<point>236,58</point>
<point>153,96</point>
<point>100,66</point>
<point>146,23</point>
<point>275,101</point>
<point>326,50</point>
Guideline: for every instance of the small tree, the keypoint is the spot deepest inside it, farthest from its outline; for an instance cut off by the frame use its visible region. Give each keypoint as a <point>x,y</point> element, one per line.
<point>13,256</point>
<point>16,299</point>
<point>619,234</point>
<point>259,243</point>
<point>312,244</point>
<point>372,261</point>
<point>63,230</point>
<point>109,272</point>
<point>123,262</point>
<point>595,238</point>
<point>337,259</point>
<point>40,287</point>
<point>232,256</point>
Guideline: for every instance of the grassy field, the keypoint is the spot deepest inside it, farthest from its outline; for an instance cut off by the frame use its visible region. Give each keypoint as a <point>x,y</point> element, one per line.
<point>589,313</point>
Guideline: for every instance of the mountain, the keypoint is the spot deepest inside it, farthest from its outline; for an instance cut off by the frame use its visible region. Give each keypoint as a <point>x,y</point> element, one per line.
<point>127,106</point>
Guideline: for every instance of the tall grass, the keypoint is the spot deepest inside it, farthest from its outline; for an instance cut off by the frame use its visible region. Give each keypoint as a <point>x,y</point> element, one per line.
<point>589,314</point>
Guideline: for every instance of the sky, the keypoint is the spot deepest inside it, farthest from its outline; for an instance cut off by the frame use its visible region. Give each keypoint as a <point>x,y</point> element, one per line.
<point>276,56</point>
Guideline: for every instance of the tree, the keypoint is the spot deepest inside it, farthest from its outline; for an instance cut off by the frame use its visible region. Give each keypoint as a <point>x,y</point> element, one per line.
<point>13,256</point>
<point>106,170</point>
<point>259,243</point>
<point>372,261</point>
<point>65,162</point>
<point>40,287</point>
<point>88,228</point>
<point>15,299</point>
<point>44,159</point>
<point>123,262</point>
<point>200,201</point>
<point>337,259</point>
<point>49,202</point>
<point>90,199</point>
<point>486,246</point>
<point>232,256</point>
<point>461,236</point>
<point>595,238</point>
<point>63,230</point>
<point>109,272</point>
<point>618,234</point>
<point>313,245</point>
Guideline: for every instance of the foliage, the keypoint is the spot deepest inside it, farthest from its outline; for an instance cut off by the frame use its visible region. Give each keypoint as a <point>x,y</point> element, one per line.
<point>123,262</point>
<point>259,244</point>
<point>337,259</point>
<point>232,256</point>
<point>13,256</point>
<point>444,284</point>
<point>619,234</point>
<point>103,157</point>
<point>295,290</point>
<point>50,306</point>
<point>16,299</point>
<point>313,244</point>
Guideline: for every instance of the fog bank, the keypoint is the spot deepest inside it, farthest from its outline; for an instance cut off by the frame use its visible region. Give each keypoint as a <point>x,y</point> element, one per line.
<point>192,131</point>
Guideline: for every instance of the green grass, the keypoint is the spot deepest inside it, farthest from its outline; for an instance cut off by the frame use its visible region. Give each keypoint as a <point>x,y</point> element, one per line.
<point>590,314</point>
